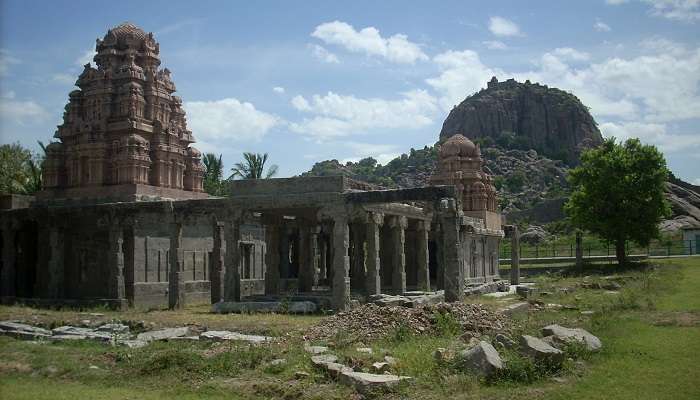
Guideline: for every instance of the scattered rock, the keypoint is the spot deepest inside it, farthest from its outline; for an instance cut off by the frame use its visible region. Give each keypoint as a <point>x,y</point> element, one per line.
<point>61,338</point>
<point>539,350</point>
<point>505,341</point>
<point>515,308</point>
<point>113,328</point>
<point>390,360</point>
<point>323,359</point>
<point>23,331</point>
<point>316,349</point>
<point>163,334</point>
<point>227,335</point>
<point>561,334</point>
<point>366,350</point>
<point>82,332</point>
<point>482,359</point>
<point>278,362</point>
<point>380,367</point>
<point>364,382</point>
<point>133,344</point>
<point>301,375</point>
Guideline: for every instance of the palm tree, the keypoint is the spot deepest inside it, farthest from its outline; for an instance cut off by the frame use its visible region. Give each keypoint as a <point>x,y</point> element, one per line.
<point>252,167</point>
<point>213,173</point>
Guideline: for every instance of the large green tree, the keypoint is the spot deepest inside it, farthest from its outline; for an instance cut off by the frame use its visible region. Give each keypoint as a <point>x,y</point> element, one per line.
<point>213,174</point>
<point>253,167</point>
<point>20,169</point>
<point>618,193</point>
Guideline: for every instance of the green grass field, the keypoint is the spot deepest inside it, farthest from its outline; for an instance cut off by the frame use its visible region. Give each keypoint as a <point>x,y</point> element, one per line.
<point>650,332</point>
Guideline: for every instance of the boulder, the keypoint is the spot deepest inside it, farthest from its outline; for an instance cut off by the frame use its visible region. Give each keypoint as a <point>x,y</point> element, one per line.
<point>227,335</point>
<point>561,334</point>
<point>482,359</point>
<point>163,334</point>
<point>505,341</point>
<point>364,382</point>
<point>540,350</point>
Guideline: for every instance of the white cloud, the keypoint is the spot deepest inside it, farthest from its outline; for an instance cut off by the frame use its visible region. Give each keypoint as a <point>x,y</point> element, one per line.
<point>495,45</point>
<point>7,61</point>
<point>228,119</point>
<point>651,133</point>
<point>571,54</point>
<point>19,111</point>
<point>461,74</point>
<point>601,26</point>
<point>86,58</point>
<point>396,48</point>
<point>696,182</point>
<point>500,26</point>
<point>63,79</point>
<point>324,55</point>
<point>278,89</point>
<point>383,153</point>
<point>679,10</point>
<point>337,115</point>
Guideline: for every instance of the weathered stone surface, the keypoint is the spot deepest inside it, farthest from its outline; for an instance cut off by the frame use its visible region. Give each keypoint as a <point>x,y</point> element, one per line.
<point>324,359</point>
<point>301,375</point>
<point>60,338</point>
<point>505,341</point>
<point>366,350</point>
<point>113,328</point>
<point>564,335</point>
<point>540,350</point>
<point>227,335</point>
<point>482,359</point>
<point>515,308</point>
<point>315,349</point>
<point>293,307</point>
<point>278,362</point>
<point>11,327</point>
<point>364,382</point>
<point>133,344</point>
<point>86,332</point>
<point>380,367</point>
<point>163,334</point>
<point>390,360</point>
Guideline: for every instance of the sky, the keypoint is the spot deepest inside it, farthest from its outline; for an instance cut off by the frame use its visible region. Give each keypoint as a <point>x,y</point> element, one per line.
<point>307,81</point>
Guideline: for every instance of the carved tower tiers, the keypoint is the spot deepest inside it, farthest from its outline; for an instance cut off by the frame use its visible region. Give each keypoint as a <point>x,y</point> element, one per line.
<point>460,164</point>
<point>124,134</point>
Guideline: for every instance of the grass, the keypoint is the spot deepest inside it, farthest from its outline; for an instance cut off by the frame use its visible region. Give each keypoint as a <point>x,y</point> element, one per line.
<point>650,331</point>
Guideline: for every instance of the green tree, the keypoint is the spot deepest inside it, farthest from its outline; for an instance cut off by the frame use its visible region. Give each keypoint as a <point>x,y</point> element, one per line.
<point>253,167</point>
<point>618,193</point>
<point>20,170</point>
<point>213,174</point>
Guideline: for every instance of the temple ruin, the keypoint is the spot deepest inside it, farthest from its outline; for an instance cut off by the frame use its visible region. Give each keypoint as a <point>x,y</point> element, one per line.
<point>123,221</point>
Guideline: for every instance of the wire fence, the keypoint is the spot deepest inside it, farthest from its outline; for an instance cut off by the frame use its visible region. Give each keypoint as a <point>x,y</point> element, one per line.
<point>601,248</point>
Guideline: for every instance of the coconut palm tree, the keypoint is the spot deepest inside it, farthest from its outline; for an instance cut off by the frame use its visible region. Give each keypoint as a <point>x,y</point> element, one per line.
<point>253,167</point>
<point>213,174</point>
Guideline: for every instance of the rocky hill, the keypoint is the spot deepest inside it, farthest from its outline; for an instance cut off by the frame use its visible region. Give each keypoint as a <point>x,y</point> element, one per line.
<point>525,116</point>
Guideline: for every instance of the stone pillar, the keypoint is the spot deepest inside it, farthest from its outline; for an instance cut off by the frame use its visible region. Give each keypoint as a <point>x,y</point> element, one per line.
<point>323,257</point>
<point>284,266</point>
<point>514,256</point>
<point>440,262</point>
<point>398,268</point>
<point>176,279</point>
<point>373,283</point>
<point>423,278</point>
<point>315,255</point>
<point>451,251</point>
<point>218,253</point>
<point>579,249</point>
<point>115,256</point>
<point>341,263</point>
<point>305,259</point>
<point>272,259</point>
<point>56,263</point>
<point>358,257</point>
<point>9,266</point>
<point>232,273</point>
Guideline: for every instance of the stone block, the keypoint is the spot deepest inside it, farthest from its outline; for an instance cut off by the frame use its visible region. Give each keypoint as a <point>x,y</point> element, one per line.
<point>163,334</point>
<point>540,350</point>
<point>563,335</point>
<point>364,382</point>
<point>482,359</point>
<point>227,335</point>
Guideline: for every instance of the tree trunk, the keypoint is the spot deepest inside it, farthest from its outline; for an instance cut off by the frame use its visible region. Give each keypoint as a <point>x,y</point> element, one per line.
<point>620,252</point>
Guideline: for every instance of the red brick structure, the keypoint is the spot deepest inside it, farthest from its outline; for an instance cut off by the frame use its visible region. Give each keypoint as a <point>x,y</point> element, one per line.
<point>124,135</point>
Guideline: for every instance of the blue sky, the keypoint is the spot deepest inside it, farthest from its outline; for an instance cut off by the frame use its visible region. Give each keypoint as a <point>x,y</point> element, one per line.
<point>314,80</point>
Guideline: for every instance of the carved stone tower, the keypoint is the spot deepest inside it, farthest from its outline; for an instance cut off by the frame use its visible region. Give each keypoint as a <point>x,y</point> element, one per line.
<point>124,135</point>
<point>460,164</point>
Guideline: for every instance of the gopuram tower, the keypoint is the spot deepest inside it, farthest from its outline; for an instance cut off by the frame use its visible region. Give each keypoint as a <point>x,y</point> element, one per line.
<point>124,136</point>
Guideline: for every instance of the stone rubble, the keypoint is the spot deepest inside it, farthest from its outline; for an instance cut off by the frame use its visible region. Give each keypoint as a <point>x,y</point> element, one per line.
<point>228,335</point>
<point>370,321</point>
<point>163,334</point>
<point>539,350</point>
<point>482,359</point>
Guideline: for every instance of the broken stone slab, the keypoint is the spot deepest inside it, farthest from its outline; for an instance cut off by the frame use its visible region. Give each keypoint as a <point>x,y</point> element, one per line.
<point>380,367</point>
<point>427,299</point>
<point>113,328</point>
<point>515,308</point>
<point>185,338</point>
<point>133,344</point>
<point>292,307</point>
<point>482,359</point>
<point>163,334</point>
<point>328,362</point>
<point>387,300</point>
<point>316,349</point>
<point>228,335</point>
<point>364,382</point>
<point>562,335</point>
<point>83,332</point>
<point>16,327</point>
<point>539,350</point>
<point>323,359</point>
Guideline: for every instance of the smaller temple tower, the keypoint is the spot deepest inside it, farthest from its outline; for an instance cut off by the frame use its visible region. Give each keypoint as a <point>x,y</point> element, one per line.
<point>124,135</point>
<point>460,164</point>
